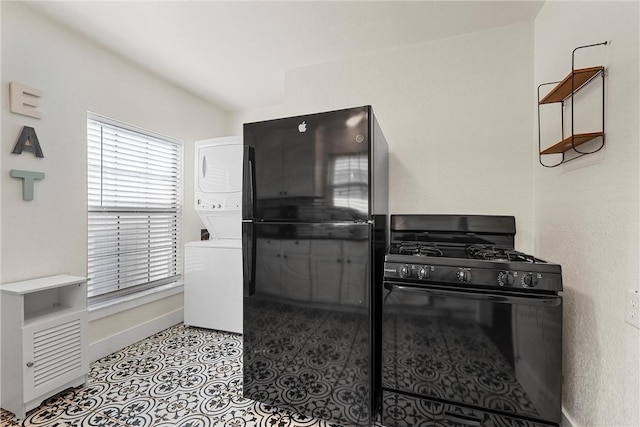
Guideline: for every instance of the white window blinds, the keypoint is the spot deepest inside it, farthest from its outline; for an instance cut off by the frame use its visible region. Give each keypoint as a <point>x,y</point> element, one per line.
<point>349,181</point>
<point>135,197</point>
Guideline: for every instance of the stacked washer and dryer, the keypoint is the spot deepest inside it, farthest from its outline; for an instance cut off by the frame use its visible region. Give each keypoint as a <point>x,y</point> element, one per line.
<point>213,268</point>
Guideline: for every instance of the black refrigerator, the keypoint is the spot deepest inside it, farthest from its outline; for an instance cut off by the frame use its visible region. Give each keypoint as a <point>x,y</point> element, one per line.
<point>314,233</point>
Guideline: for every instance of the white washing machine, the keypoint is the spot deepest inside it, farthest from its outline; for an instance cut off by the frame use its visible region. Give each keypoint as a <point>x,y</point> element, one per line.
<point>213,268</point>
<point>213,285</point>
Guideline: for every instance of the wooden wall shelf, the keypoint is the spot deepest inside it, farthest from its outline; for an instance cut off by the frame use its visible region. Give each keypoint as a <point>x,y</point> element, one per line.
<point>565,144</point>
<point>564,89</point>
<point>562,92</point>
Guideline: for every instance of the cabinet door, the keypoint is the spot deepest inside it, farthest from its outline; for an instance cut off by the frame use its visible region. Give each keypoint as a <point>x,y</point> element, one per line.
<point>326,270</point>
<point>296,276</point>
<point>355,273</point>
<point>268,266</point>
<point>54,353</point>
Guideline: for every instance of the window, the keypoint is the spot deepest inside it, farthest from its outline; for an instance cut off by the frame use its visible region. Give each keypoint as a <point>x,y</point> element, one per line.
<point>349,181</point>
<point>135,197</point>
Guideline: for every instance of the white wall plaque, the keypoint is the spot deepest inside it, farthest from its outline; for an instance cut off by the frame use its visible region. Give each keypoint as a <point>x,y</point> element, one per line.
<point>24,100</point>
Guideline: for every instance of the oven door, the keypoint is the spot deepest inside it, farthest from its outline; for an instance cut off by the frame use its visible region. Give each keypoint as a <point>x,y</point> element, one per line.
<point>500,352</point>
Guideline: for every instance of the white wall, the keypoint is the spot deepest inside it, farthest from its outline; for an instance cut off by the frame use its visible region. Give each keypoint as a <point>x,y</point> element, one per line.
<point>456,114</point>
<point>586,212</point>
<point>49,234</point>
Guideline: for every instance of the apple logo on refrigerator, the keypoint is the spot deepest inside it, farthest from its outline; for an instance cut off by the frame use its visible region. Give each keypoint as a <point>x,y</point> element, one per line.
<point>302,127</point>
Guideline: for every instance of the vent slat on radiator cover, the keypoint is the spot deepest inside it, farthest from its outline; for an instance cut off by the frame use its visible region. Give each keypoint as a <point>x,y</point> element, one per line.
<point>57,351</point>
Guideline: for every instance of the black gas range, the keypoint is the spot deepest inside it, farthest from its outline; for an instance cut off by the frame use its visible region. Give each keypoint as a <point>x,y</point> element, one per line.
<point>471,327</point>
<point>470,265</point>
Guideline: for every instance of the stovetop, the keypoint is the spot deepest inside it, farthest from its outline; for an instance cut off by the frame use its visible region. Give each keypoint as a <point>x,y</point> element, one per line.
<point>471,251</point>
<point>478,254</point>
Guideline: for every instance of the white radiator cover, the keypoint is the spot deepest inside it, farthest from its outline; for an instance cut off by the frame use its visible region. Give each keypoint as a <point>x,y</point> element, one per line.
<point>44,339</point>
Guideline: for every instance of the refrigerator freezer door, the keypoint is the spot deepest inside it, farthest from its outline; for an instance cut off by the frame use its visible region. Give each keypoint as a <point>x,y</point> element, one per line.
<point>307,326</point>
<point>312,168</point>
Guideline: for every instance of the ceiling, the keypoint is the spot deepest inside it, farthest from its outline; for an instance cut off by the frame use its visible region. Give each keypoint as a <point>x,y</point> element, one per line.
<point>235,53</point>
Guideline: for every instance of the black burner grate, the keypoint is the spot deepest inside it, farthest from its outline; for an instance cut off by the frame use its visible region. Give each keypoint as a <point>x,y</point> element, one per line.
<point>493,253</point>
<point>419,249</point>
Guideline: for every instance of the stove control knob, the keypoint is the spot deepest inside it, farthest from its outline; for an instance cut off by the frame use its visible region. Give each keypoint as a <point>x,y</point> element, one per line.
<point>423,272</point>
<point>464,275</point>
<point>505,278</point>
<point>529,280</point>
<point>404,271</point>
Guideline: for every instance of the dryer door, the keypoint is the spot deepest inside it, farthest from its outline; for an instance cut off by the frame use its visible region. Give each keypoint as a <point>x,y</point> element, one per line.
<point>219,168</point>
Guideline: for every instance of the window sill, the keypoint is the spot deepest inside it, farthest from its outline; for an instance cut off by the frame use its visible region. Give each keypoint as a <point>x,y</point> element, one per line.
<point>128,302</point>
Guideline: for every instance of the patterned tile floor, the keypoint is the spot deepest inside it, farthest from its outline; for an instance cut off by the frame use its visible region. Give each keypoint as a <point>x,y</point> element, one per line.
<point>183,376</point>
<point>314,357</point>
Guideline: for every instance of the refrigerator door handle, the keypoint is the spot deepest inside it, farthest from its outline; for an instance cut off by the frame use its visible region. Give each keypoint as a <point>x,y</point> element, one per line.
<point>249,185</point>
<point>248,259</point>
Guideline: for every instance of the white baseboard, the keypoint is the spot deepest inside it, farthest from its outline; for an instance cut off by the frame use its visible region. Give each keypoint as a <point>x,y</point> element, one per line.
<point>109,345</point>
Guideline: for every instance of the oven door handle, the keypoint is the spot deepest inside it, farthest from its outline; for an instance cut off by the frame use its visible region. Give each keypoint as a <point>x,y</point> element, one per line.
<point>534,300</point>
